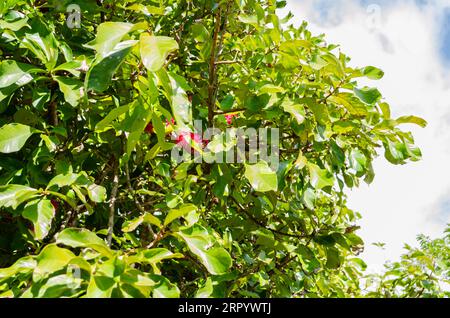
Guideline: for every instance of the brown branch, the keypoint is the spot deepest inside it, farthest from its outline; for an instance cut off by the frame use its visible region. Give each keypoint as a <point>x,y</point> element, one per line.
<point>227,62</point>
<point>216,50</point>
<point>158,237</point>
<point>112,201</point>
<point>212,78</point>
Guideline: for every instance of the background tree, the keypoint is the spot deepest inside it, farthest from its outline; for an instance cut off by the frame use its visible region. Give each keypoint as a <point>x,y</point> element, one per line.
<point>423,271</point>
<point>91,203</point>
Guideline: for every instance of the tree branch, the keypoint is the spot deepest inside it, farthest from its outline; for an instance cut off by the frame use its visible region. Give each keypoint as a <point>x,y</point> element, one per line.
<point>112,201</point>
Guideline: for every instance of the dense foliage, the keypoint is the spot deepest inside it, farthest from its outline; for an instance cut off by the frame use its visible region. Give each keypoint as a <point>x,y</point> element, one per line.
<point>423,271</point>
<point>91,201</point>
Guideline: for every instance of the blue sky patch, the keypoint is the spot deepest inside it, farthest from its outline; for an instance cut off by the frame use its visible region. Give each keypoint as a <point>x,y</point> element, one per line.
<point>445,37</point>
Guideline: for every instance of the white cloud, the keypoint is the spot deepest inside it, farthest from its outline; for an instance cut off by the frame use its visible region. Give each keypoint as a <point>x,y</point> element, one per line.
<point>403,40</point>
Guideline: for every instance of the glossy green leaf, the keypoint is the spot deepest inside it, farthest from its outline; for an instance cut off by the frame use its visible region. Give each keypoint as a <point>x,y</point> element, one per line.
<point>41,213</point>
<point>412,120</point>
<point>51,259</point>
<point>109,34</point>
<point>155,49</point>
<point>216,259</point>
<point>83,238</point>
<point>373,72</point>
<point>71,88</point>
<point>179,212</point>
<point>96,193</point>
<point>14,136</point>
<point>368,95</point>
<point>296,110</point>
<point>13,195</point>
<point>15,73</point>
<point>100,74</point>
<point>320,178</point>
<point>261,177</point>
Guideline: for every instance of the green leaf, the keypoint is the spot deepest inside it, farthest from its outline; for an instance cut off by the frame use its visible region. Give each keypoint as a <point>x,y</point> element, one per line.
<point>206,291</point>
<point>71,88</point>
<point>270,89</point>
<point>358,160</point>
<point>319,110</point>
<point>156,255</point>
<point>113,114</point>
<point>63,180</point>
<point>394,152</point>
<point>41,213</point>
<point>155,49</point>
<point>14,136</point>
<point>333,259</point>
<point>412,120</point>
<point>103,69</point>
<point>15,73</point>
<point>42,43</point>
<point>51,259</point>
<point>372,72</point>
<point>83,238</point>
<point>153,257</point>
<point>130,226</point>
<point>175,88</point>
<point>13,21</point>
<point>24,265</point>
<point>296,110</point>
<point>216,259</point>
<point>368,95</point>
<point>109,34</point>
<point>177,213</point>
<point>96,193</point>
<point>165,289</point>
<point>59,286</point>
<point>320,178</point>
<point>352,103</point>
<point>135,123</point>
<point>13,195</point>
<point>385,110</point>
<point>261,177</point>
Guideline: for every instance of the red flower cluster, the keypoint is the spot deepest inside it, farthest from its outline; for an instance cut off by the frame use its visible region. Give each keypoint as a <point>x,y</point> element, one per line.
<point>172,122</point>
<point>150,130</point>
<point>184,140</point>
<point>229,118</point>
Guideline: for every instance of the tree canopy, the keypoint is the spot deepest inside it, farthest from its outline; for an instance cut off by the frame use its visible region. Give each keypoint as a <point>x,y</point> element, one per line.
<point>93,103</point>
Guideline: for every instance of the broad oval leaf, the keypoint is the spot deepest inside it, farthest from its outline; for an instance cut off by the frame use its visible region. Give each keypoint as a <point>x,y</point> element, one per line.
<point>14,136</point>
<point>83,238</point>
<point>261,177</point>
<point>155,49</point>
<point>41,213</point>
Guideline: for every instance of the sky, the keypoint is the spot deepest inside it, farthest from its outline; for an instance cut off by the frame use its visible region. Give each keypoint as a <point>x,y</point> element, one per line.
<point>410,41</point>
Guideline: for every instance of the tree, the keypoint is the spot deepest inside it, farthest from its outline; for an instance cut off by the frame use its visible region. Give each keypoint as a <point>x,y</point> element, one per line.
<point>93,204</point>
<point>423,271</point>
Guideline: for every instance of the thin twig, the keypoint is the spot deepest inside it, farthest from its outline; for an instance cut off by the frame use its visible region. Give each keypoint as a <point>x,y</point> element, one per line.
<point>112,201</point>
<point>212,69</point>
<point>227,62</point>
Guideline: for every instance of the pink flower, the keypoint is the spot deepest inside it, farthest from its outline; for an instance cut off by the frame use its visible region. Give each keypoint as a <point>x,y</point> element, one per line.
<point>229,118</point>
<point>186,139</point>
<point>172,122</point>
